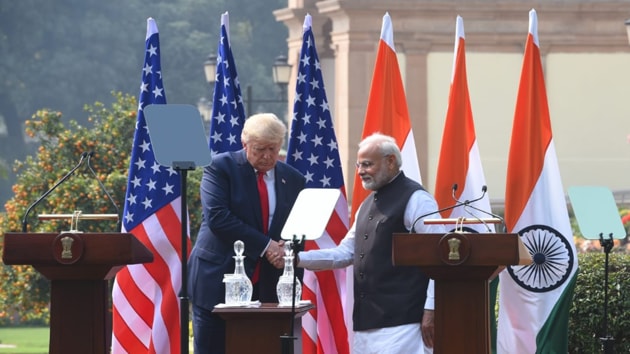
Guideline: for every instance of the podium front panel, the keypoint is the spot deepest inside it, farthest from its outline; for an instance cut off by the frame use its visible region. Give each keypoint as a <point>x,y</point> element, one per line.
<point>78,266</point>
<point>485,249</point>
<point>461,265</point>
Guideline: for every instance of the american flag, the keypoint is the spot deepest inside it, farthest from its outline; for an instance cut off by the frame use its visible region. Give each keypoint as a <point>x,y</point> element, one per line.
<point>313,151</point>
<point>228,115</point>
<point>146,313</point>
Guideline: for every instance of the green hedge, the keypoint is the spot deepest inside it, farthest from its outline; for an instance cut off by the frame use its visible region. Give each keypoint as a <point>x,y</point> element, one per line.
<point>586,321</point>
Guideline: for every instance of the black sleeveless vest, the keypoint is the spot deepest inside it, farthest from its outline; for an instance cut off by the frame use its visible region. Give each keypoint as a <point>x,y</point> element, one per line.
<point>384,295</point>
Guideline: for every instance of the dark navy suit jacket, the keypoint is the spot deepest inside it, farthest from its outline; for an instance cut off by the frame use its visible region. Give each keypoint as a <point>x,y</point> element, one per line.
<point>231,211</point>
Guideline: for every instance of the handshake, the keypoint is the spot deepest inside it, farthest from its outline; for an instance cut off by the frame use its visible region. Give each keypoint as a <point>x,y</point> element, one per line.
<point>276,253</point>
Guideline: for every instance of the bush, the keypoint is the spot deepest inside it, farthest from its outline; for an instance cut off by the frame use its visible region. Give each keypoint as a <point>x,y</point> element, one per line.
<point>586,317</point>
<point>24,293</point>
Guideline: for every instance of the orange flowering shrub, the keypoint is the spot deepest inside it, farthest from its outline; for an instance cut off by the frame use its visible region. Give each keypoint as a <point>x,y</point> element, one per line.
<point>24,293</point>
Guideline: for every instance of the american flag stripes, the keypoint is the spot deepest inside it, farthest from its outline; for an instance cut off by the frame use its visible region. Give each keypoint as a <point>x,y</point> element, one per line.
<point>146,317</point>
<point>313,151</point>
<point>228,115</point>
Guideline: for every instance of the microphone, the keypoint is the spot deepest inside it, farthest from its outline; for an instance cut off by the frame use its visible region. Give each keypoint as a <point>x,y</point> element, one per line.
<point>24,224</point>
<point>89,166</point>
<point>471,206</point>
<point>457,204</point>
<point>489,214</point>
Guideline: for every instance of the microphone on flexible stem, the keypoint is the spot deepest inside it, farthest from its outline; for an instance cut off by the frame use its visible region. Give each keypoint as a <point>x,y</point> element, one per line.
<point>467,204</point>
<point>24,224</point>
<point>470,206</point>
<point>484,189</point>
<point>453,190</point>
<point>89,156</point>
<point>489,213</point>
<point>458,204</point>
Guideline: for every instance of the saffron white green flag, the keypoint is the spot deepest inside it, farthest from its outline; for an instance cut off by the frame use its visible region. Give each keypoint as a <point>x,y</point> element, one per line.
<point>387,111</point>
<point>460,164</point>
<point>534,300</point>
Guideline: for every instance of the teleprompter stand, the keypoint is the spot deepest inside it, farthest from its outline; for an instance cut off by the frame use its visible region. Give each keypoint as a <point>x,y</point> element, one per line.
<point>607,340</point>
<point>179,142</point>
<point>310,223</point>
<point>287,340</point>
<point>595,210</point>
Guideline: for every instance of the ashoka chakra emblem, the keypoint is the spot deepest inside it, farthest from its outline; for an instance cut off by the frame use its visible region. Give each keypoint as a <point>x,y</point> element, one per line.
<point>552,257</point>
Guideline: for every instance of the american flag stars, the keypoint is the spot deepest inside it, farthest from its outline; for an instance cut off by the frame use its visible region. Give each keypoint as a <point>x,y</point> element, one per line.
<point>157,182</point>
<point>313,151</point>
<point>312,145</point>
<point>150,186</point>
<point>228,114</point>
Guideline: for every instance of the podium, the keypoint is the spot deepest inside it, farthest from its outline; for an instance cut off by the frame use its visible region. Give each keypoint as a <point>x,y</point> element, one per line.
<point>461,264</point>
<point>78,266</point>
<point>258,329</point>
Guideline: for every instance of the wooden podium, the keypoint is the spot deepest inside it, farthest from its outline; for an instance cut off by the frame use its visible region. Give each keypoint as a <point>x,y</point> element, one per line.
<point>258,329</point>
<point>461,264</point>
<point>78,265</point>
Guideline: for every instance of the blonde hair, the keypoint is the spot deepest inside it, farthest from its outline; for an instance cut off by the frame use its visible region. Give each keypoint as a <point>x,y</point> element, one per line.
<point>264,127</point>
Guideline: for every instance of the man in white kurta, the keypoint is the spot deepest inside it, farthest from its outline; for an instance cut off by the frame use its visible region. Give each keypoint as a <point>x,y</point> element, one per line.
<point>382,327</point>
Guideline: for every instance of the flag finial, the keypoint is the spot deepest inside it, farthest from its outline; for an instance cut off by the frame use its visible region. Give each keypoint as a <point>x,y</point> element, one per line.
<point>533,26</point>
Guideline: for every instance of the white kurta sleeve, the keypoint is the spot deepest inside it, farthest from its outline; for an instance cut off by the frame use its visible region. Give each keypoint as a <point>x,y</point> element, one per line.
<point>330,258</point>
<point>422,203</point>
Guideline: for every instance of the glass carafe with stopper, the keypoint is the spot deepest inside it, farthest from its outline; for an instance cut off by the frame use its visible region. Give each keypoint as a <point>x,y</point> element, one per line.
<point>284,288</point>
<point>238,287</point>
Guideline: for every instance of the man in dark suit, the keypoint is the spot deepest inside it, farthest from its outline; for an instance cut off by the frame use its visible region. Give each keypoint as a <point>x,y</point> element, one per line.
<point>232,211</point>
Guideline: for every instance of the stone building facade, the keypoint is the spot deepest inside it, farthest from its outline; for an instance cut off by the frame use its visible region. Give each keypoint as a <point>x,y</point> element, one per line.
<point>586,58</point>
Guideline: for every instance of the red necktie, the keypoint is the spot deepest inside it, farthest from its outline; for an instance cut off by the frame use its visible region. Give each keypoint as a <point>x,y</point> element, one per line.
<point>264,207</point>
<point>264,201</point>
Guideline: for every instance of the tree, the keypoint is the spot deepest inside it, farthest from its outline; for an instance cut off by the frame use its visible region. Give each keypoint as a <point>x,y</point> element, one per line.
<point>61,54</point>
<point>64,53</point>
<point>24,293</point>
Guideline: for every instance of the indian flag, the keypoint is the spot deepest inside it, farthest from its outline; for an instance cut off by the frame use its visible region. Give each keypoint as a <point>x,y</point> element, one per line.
<point>387,110</point>
<point>386,113</point>
<point>534,300</point>
<point>459,162</point>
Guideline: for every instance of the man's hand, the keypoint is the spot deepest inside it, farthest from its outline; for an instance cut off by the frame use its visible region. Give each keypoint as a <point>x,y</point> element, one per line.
<point>428,328</point>
<point>275,254</point>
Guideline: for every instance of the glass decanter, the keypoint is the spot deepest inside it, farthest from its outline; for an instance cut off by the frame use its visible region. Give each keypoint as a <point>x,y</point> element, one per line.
<point>284,289</point>
<point>238,287</point>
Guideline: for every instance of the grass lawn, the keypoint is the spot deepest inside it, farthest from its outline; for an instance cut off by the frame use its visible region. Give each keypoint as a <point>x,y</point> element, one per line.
<point>22,340</point>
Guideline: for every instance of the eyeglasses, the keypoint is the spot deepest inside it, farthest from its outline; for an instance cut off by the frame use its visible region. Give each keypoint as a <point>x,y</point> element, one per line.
<point>366,165</point>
